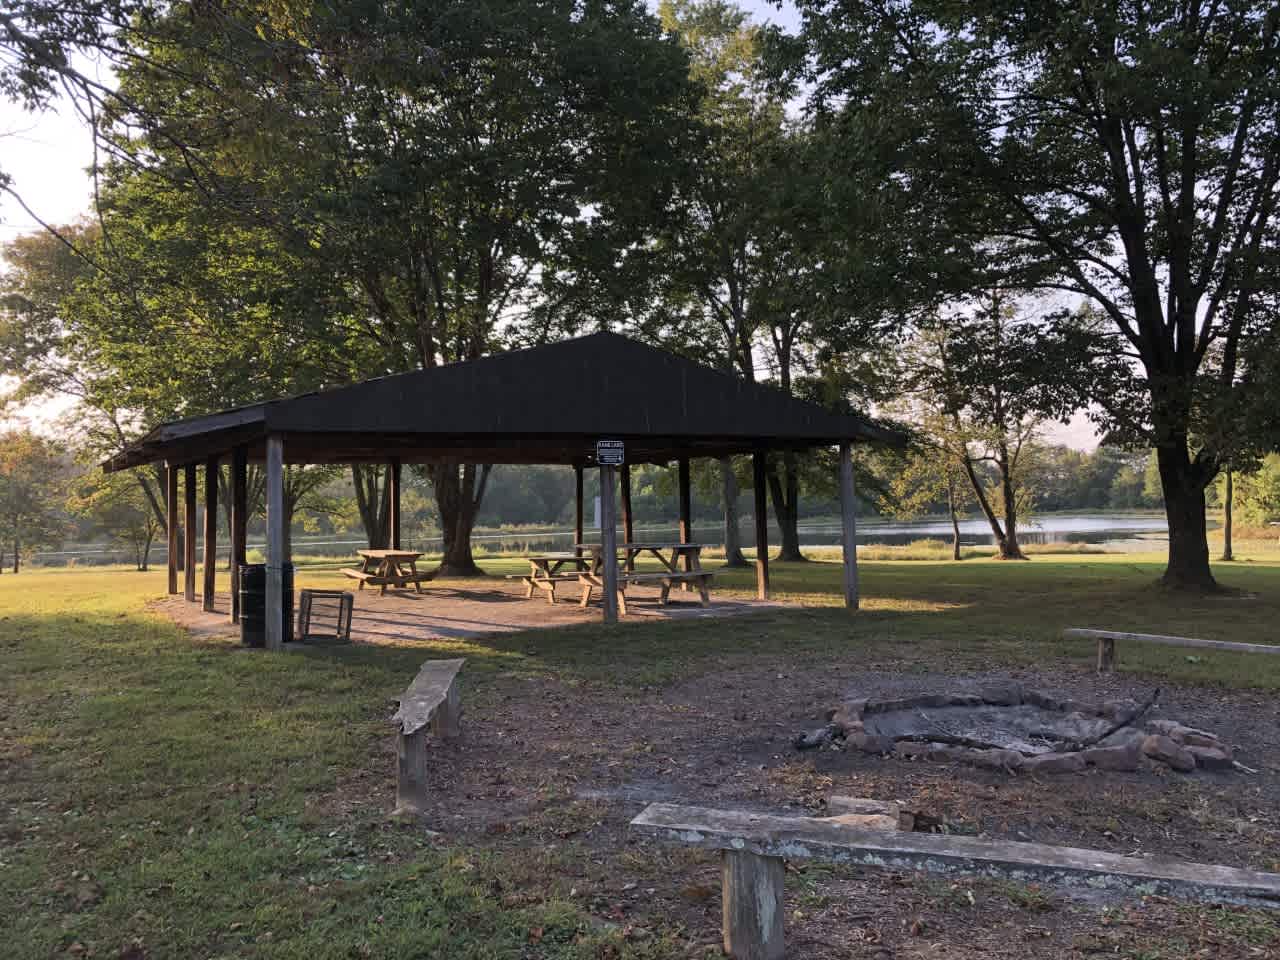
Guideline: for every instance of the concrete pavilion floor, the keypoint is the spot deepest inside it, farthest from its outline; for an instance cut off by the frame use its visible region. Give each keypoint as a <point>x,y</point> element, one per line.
<point>468,608</point>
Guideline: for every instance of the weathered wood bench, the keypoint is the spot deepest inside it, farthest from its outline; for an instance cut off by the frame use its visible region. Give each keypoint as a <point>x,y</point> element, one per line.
<point>1107,643</point>
<point>755,846</point>
<point>666,579</point>
<point>431,698</point>
<point>377,580</point>
<point>546,584</point>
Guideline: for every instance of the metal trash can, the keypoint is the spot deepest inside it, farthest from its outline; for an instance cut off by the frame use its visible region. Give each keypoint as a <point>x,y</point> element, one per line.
<point>253,603</point>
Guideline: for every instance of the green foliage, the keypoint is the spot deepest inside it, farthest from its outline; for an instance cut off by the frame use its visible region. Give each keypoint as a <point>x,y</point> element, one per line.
<point>32,475</point>
<point>1125,154</point>
<point>117,506</point>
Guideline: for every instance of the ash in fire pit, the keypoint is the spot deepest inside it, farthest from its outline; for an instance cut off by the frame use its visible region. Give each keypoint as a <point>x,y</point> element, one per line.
<point>1008,728</point>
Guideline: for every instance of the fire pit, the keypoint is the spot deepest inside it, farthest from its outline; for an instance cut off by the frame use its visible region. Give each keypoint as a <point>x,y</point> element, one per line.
<point>1008,728</point>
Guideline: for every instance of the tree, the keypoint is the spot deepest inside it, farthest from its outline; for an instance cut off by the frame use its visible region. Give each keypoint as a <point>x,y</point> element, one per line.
<point>984,384</point>
<point>116,506</point>
<point>923,475</point>
<point>1128,155</point>
<point>32,477</point>
<point>430,158</point>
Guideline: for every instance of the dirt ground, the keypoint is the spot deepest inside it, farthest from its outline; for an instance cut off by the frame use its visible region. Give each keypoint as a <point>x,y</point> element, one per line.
<point>548,777</point>
<point>464,610</point>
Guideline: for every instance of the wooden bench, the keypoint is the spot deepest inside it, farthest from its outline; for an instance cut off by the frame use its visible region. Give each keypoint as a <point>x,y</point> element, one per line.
<point>665,578</point>
<point>1107,643</point>
<point>375,580</point>
<point>755,846</point>
<point>431,698</point>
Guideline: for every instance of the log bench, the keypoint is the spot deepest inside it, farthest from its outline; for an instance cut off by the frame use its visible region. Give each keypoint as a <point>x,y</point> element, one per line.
<point>432,699</point>
<point>1107,643</point>
<point>755,845</point>
<point>665,579</point>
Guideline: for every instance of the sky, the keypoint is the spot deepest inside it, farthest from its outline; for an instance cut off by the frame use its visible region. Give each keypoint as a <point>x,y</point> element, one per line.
<point>48,155</point>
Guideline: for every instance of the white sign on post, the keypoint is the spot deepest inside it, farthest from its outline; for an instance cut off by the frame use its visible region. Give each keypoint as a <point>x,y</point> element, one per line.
<point>610,453</point>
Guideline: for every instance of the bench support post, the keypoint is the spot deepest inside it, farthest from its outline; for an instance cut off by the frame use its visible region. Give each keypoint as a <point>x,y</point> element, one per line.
<point>1106,654</point>
<point>446,722</point>
<point>411,778</point>
<point>752,904</point>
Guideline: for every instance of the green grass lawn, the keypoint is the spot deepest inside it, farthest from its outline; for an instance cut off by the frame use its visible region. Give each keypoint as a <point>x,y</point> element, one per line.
<point>168,796</point>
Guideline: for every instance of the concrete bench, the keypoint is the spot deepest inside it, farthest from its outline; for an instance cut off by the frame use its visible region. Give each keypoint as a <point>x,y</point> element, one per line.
<point>433,699</point>
<point>755,846</point>
<point>1107,643</point>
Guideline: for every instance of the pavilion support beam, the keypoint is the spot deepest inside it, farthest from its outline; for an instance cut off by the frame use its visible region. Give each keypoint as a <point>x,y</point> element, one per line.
<point>209,589</point>
<point>609,545</point>
<point>577,508</point>
<point>239,522</point>
<point>275,542</point>
<point>189,532</point>
<point>849,526</point>
<point>762,524</point>
<point>171,522</point>
<point>628,526</point>
<point>394,474</point>
<point>686,513</point>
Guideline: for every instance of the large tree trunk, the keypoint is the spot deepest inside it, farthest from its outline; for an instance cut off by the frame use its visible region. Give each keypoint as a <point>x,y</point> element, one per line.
<point>732,533</point>
<point>1188,566</point>
<point>1009,549</point>
<point>955,520</point>
<point>370,483</point>
<point>997,532</point>
<point>17,553</point>
<point>459,493</point>
<point>1226,518</point>
<point>785,493</point>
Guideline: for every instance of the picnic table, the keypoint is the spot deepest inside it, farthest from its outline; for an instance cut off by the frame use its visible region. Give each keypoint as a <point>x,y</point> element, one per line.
<point>389,568</point>
<point>670,555</point>
<point>547,569</point>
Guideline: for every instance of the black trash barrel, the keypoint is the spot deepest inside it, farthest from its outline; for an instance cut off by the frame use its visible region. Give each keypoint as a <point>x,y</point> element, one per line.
<point>253,603</point>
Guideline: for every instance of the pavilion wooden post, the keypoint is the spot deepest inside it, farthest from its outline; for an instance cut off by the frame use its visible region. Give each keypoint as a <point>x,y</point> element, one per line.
<point>171,522</point>
<point>577,514</point>
<point>239,522</point>
<point>686,511</point>
<point>849,526</point>
<point>609,544</point>
<point>762,525</point>
<point>394,472</point>
<point>210,534</point>
<point>189,532</point>
<point>628,528</point>
<point>275,542</point>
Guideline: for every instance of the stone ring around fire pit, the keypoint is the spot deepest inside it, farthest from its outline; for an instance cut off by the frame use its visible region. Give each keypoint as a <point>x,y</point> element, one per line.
<point>1008,728</point>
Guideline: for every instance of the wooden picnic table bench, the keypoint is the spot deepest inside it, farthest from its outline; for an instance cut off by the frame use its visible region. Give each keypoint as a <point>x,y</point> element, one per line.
<point>547,569</point>
<point>1107,643</point>
<point>432,698</point>
<point>755,845</point>
<point>387,568</point>
<point>669,555</point>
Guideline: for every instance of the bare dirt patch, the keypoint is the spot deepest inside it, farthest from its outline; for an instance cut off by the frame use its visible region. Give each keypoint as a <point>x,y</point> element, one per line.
<point>549,774</point>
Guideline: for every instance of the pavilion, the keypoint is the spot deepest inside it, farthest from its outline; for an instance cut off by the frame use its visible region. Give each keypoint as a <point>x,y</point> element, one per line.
<point>548,405</point>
